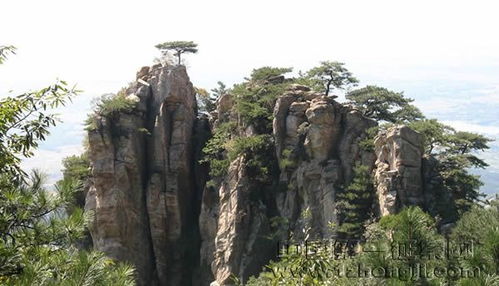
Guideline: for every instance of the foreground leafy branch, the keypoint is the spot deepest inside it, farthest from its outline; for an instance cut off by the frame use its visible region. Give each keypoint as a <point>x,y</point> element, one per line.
<point>37,234</point>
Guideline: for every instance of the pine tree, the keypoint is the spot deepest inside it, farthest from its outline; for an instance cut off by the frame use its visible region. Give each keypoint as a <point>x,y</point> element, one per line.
<point>329,75</point>
<point>382,104</point>
<point>37,235</point>
<point>178,48</point>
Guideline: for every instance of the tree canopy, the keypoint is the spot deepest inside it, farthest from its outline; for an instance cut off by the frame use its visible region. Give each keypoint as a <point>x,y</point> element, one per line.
<point>385,105</point>
<point>178,48</point>
<point>435,134</point>
<point>392,246</point>
<point>268,73</point>
<point>330,74</point>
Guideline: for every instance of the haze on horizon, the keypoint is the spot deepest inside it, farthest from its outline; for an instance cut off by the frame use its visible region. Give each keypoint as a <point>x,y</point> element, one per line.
<point>443,54</point>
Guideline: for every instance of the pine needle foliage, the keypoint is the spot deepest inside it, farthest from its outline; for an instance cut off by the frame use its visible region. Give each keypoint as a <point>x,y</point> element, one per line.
<point>37,235</point>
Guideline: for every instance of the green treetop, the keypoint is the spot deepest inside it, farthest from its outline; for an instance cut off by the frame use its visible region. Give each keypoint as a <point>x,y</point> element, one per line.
<point>465,142</point>
<point>178,48</point>
<point>435,134</point>
<point>382,104</point>
<point>330,75</point>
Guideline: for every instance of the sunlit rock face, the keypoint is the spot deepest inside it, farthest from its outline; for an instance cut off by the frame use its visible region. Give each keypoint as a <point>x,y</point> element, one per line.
<point>398,175</point>
<point>154,209</point>
<point>317,139</point>
<point>143,192</point>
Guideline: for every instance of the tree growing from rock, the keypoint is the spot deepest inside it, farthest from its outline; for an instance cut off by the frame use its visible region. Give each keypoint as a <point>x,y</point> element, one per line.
<point>330,74</point>
<point>178,48</point>
<point>435,134</point>
<point>207,101</point>
<point>382,104</point>
<point>220,90</point>
<point>269,74</point>
<point>385,247</point>
<point>456,154</point>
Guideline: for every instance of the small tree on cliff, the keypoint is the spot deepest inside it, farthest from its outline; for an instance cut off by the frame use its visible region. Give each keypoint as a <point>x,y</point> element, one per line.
<point>383,104</point>
<point>456,152</point>
<point>330,75</point>
<point>178,48</point>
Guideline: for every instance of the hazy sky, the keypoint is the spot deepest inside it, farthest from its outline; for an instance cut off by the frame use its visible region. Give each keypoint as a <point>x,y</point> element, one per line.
<point>442,53</point>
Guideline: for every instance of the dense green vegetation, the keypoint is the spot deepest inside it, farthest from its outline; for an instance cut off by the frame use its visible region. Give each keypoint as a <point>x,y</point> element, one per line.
<point>384,105</point>
<point>76,168</point>
<point>455,152</point>
<point>110,105</point>
<point>40,230</point>
<point>395,246</point>
<point>255,98</point>
<point>354,203</point>
<point>256,150</point>
<point>215,149</point>
<point>37,234</point>
<point>254,102</point>
<point>452,153</point>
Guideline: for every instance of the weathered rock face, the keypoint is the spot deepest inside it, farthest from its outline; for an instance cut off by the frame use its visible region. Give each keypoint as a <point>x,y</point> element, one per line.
<point>117,195</point>
<point>240,246</point>
<point>143,192</point>
<point>154,209</point>
<point>398,175</point>
<point>317,143</point>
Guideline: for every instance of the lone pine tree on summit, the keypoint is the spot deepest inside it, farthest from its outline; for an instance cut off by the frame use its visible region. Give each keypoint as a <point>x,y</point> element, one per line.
<point>178,48</point>
<point>329,75</point>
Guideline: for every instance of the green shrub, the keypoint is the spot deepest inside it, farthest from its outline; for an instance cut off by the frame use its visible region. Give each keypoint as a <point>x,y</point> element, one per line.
<point>76,167</point>
<point>255,98</point>
<point>266,73</point>
<point>214,152</point>
<point>109,105</point>
<point>354,203</point>
<point>256,151</point>
<point>112,103</point>
<point>328,262</point>
<point>367,143</point>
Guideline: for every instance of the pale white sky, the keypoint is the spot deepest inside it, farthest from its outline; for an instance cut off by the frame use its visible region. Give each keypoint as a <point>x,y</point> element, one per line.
<point>100,42</point>
<point>442,53</point>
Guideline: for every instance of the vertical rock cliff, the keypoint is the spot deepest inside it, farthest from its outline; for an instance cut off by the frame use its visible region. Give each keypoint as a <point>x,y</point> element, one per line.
<point>154,209</point>
<point>398,174</point>
<point>143,192</point>
<point>317,139</point>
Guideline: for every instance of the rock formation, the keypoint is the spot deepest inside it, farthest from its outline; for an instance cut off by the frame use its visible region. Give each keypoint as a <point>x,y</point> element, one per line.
<point>239,246</point>
<point>398,175</point>
<point>154,209</point>
<point>143,192</point>
<point>319,139</point>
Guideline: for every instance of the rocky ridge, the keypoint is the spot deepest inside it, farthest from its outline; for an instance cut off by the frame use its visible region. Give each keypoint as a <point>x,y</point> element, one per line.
<point>154,209</point>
